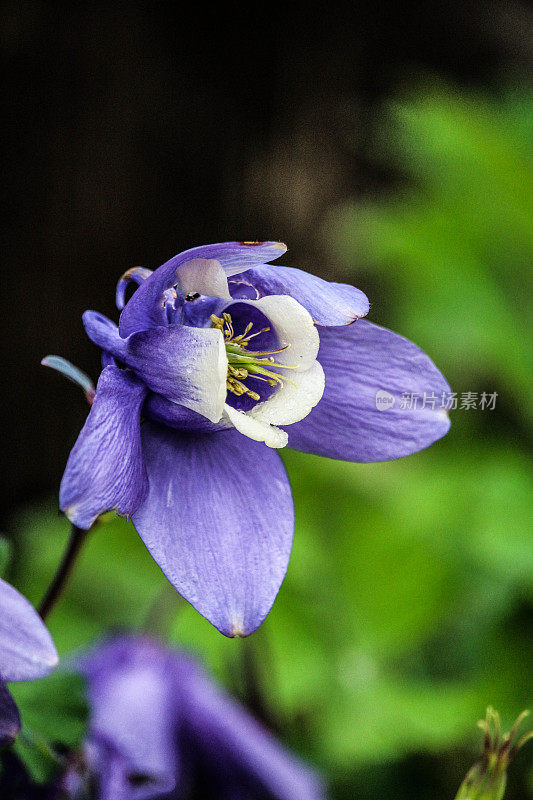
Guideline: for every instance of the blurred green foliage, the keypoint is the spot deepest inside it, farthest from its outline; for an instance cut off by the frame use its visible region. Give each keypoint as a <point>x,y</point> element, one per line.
<point>54,718</point>
<point>407,607</point>
<point>452,243</point>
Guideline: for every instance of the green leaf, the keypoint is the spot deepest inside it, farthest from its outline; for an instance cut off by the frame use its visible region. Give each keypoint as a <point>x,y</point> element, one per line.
<point>53,711</point>
<point>5,555</point>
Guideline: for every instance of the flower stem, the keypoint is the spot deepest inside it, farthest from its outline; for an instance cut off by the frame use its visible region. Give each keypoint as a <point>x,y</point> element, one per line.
<point>77,537</point>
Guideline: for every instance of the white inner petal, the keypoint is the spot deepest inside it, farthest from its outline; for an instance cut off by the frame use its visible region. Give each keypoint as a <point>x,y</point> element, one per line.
<point>203,276</point>
<point>255,428</point>
<point>207,373</point>
<point>292,401</point>
<point>294,327</point>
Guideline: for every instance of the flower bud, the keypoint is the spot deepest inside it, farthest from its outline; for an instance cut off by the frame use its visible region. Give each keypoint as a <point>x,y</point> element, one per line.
<point>488,777</point>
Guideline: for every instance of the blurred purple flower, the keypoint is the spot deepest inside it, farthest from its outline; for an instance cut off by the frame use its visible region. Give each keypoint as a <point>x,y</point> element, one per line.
<point>26,652</point>
<point>160,727</point>
<point>219,352</point>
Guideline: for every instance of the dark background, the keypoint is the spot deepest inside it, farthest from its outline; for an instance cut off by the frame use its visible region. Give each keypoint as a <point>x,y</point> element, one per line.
<point>138,130</point>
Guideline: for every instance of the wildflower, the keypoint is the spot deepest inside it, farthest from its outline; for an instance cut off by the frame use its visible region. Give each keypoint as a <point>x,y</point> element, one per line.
<point>488,777</point>
<point>219,353</point>
<point>26,652</point>
<point>159,726</point>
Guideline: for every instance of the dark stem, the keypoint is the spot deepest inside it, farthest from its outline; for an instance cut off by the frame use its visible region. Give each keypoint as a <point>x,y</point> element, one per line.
<point>77,537</point>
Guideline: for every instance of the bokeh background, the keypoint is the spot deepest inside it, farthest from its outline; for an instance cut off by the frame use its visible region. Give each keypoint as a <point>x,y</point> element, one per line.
<point>391,146</point>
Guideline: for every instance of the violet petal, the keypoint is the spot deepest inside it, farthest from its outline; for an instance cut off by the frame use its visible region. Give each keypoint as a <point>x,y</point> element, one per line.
<point>328,303</point>
<point>145,309</point>
<point>233,743</point>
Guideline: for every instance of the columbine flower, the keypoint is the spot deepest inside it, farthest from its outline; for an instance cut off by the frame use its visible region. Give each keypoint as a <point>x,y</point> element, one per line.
<point>488,777</point>
<point>26,652</point>
<point>220,353</point>
<point>159,725</point>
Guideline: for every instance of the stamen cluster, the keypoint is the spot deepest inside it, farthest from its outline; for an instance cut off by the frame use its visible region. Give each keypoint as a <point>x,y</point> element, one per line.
<point>243,362</point>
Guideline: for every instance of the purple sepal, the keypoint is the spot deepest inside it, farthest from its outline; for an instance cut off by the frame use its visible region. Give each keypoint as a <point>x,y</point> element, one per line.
<point>158,722</point>
<point>10,723</point>
<point>349,422</point>
<point>218,519</point>
<point>231,742</point>
<point>26,648</point>
<point>146,308</point>
<point>328,303</point>
<point>105,468</point>
<point>133,726</point>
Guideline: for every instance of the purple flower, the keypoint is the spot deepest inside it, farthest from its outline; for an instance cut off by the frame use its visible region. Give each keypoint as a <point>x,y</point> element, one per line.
<point>220,354</point>
<point>26,652</point>
<point>159,726</point>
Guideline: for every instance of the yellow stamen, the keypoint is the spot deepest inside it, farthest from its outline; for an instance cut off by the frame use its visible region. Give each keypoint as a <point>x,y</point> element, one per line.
<point>243,363</point>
